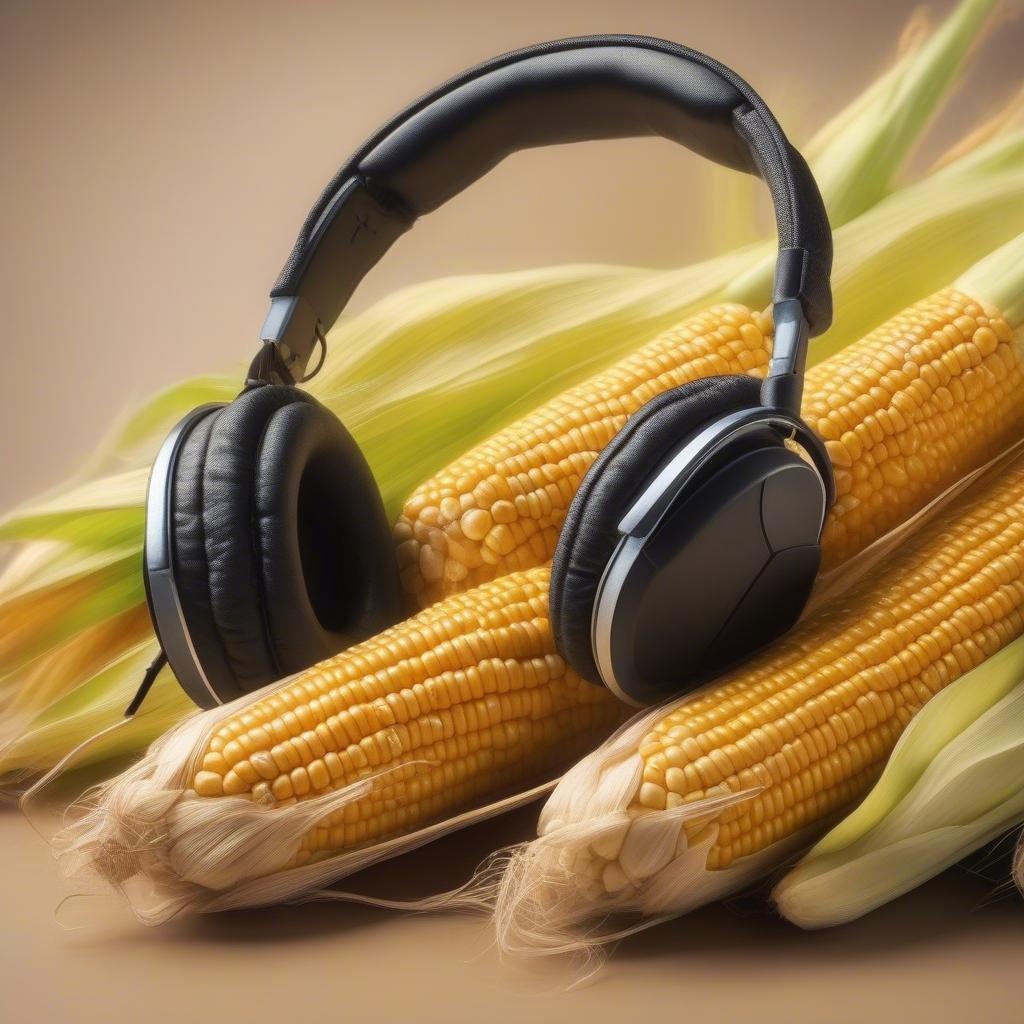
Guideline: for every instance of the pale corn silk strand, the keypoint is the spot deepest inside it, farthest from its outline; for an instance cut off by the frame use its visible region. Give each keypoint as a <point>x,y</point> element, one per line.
<point>547,897</point>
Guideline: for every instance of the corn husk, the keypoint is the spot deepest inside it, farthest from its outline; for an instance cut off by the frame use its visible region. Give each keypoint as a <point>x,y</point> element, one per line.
<point>859,172</point>
<point>458,358</point>
<point>952,785</point>
<point>934,803</point>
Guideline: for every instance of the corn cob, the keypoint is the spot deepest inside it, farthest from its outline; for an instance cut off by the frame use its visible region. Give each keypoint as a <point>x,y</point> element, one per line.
<point>812,723</point>
<point>913,407</point>
<point>499,507</point>
<point>465,699</point>
<point>905,412</point>
<point>689,804</point>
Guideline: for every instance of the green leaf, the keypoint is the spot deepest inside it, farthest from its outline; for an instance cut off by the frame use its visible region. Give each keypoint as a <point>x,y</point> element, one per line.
<point>951,786</point>
<point>857,167</point>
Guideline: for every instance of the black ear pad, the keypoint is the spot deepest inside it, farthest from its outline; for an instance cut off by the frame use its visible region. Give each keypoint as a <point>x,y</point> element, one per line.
<point>589,534</point>
<point>281,546</point>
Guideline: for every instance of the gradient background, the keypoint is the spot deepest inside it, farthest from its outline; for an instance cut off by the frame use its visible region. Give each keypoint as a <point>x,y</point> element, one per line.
<point>157,162</point>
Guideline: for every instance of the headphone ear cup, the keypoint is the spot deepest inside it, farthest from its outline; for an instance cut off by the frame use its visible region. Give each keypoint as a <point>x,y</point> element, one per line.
<point>589,534</point>
<point>283,553</point>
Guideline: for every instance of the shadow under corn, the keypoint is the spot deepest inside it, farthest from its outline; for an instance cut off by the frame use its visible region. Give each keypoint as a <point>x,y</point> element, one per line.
<point>956,905</point>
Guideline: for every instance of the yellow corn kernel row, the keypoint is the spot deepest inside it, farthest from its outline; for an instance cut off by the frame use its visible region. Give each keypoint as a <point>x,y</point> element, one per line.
<point>499,507</point>
<point>905,413</point>
<point>466,699</point>
<point>814,718</point>
<point>910,409</point>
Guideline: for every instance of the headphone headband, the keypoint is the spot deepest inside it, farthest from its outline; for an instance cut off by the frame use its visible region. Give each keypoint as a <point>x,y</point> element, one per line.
<point>571,90</point>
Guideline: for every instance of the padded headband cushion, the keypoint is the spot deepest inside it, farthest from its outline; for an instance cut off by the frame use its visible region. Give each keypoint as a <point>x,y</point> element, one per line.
<point>590,532</point>
<point>282,550</point>
<point>569,90</point>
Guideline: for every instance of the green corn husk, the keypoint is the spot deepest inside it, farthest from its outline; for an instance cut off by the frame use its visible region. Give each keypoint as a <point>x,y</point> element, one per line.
<point>952,785</point>
<point>857,158</point>
<point>859,172</point>
<point>456,359</point>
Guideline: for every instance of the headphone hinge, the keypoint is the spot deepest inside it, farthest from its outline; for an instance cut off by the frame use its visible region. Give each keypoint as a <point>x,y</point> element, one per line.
<point>268,367</point>
<point>783,387</point>
<point>293,328</point>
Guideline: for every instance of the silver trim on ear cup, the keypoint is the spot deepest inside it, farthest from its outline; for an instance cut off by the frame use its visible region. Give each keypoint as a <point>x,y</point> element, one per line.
<point>158,565</point>
<point>651,506</point>
<point>608,590</point>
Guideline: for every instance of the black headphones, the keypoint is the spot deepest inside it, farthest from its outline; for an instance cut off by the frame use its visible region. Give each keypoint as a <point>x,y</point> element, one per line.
<point>693,539</point>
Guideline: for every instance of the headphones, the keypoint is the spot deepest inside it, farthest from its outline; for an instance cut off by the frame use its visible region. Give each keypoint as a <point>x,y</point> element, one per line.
<point>693,539</point>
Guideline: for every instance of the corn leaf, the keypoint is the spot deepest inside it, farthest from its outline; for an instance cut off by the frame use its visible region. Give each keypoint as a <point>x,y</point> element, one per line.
<point>951,785</point>
<point>857,168</point>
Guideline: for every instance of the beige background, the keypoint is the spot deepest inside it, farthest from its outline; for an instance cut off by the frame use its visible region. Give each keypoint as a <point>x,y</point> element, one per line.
<point>157,161</point>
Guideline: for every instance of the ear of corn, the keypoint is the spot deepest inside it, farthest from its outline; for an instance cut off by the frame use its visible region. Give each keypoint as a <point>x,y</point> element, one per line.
<point>692,802</point>
<point>490,347</point>
<point>826,706</point>
<point>499,507</point>
<point>462,705</point>
<point>931,394</point>
<point>460,702</point>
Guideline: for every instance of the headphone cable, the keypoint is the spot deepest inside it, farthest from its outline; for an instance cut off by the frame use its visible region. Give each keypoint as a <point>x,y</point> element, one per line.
<point>147,683</point>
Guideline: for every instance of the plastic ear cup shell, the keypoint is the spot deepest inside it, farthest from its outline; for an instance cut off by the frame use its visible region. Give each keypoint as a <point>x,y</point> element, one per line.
<point>619,475</point>
<point>728,569</point>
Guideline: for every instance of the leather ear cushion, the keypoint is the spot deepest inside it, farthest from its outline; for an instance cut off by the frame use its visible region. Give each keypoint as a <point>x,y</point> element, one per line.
<point>589,534</point>
<point>283,554</point>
